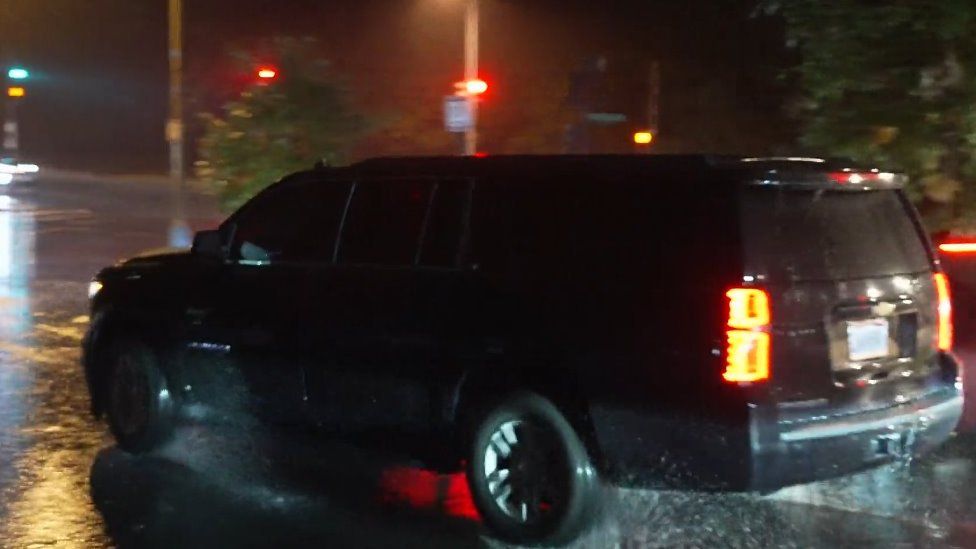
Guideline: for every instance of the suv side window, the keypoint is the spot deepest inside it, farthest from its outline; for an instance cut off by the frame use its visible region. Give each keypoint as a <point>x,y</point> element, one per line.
<point>446,224</point>
<point>291,222</point>
<point>384,223</point>
<point>597,228</point>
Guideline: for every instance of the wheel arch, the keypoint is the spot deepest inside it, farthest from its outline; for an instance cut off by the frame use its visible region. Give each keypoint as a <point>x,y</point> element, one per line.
<point>110,324</point>
<point>481,386</point>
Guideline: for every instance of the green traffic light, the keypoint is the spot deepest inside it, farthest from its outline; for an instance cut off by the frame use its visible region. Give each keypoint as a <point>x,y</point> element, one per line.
<point>18,73</point>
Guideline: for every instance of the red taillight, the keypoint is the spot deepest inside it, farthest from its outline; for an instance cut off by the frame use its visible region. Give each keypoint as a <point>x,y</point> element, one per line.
<point>748,308</point>
<point>944,306</point>
<point>747,354</point>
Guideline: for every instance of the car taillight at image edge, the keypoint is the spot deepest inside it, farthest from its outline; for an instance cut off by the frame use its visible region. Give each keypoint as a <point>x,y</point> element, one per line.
<point>747,335</point>
<point>943,338</point>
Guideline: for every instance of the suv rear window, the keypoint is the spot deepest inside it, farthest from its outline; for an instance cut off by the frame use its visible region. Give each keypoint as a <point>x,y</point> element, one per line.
<point>806,234</point>
<point>795,234</point>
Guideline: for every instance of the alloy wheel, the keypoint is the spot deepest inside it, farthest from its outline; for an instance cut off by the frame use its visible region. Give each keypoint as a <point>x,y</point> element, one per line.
<point>522,469</point>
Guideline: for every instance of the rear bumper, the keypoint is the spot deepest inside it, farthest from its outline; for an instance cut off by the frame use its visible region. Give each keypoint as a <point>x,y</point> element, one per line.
<point>754,449</point>
<point>824,449</point>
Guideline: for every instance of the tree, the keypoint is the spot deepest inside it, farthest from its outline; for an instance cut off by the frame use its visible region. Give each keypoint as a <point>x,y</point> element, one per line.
<point>302,116</point>
<point>892,83</point>
<point>415,130</point>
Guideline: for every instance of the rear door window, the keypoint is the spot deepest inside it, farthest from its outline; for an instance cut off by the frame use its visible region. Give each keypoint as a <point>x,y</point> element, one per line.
<point>445,226</point>
<point>807,234</point>
<point>291,222</point>
<point>384,222</point>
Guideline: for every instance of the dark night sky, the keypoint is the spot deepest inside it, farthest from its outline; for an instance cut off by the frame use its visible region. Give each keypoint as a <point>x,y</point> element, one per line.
<point>99,96</point>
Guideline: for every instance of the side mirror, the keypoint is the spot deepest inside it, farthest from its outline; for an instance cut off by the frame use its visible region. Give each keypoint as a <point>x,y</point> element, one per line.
<point>209,244</point>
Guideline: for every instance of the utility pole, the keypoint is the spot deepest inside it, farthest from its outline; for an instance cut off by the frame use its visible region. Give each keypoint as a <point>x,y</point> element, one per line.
<point>471,31</point>
<point>654,98</point>
<point>10,136</point>
<point>179,232</point>
<point>644,138</point>
<point>11,141</point>
<point>16,92</point>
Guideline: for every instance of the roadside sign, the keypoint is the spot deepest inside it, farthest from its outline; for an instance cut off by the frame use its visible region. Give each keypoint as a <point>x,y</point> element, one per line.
<point>606,117</point>
<point>457,114</point>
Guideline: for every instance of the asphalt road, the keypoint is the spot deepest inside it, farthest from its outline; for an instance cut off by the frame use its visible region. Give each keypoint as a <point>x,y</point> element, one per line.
<point>64,484</point>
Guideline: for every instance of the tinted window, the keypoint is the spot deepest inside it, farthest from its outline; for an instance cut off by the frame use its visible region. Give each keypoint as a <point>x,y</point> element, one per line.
<point>828,235</point>
<point>444,229</point>
<point>384,222</point>
<point>291,222</point>
<point>602,231</point>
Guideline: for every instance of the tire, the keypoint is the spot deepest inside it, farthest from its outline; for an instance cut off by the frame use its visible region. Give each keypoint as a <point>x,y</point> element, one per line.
<point>525,447</point>
<point>141,411</point>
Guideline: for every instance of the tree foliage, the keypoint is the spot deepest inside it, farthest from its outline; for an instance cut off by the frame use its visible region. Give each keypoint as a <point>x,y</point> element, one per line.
<point>892,83</point>
<point>303,116</point>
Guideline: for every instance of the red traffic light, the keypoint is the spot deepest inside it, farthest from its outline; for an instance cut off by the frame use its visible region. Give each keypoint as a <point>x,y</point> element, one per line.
<point>267,73</point>
<point>475,86</point>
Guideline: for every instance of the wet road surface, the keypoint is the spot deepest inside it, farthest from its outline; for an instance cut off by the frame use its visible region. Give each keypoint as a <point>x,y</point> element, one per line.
<point>64,484</point>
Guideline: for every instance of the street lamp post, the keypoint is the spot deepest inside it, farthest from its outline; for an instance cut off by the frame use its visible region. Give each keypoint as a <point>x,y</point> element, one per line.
<point>179,230</point>
<point>471,72</point>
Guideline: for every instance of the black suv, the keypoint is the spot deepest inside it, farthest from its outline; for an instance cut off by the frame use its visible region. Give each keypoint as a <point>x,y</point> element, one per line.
<point>719,323</point>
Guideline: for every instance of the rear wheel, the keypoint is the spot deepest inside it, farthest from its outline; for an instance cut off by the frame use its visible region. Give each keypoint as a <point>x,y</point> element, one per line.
<point>529,472</point>
<point>140,408</point>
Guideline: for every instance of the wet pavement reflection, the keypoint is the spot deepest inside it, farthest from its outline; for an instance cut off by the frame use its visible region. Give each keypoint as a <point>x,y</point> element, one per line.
<point>45,444</point>
<point>64,484</point>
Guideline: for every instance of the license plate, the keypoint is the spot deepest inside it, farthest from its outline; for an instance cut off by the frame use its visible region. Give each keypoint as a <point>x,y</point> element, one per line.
<point>867,339</point>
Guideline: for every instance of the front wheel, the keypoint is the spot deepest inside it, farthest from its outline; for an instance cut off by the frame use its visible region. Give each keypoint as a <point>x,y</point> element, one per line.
<point>141,408</point>
<point>529,472</point>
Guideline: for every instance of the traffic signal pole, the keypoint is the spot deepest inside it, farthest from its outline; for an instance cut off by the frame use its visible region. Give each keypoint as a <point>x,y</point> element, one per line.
<point>471,31</point>
<point>179,231</point>
<point>11,140</point>
<point>15,92</point>
<point>654,99</point>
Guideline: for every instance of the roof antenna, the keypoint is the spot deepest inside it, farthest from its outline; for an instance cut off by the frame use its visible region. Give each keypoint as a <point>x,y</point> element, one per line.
<point>321,164</point>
